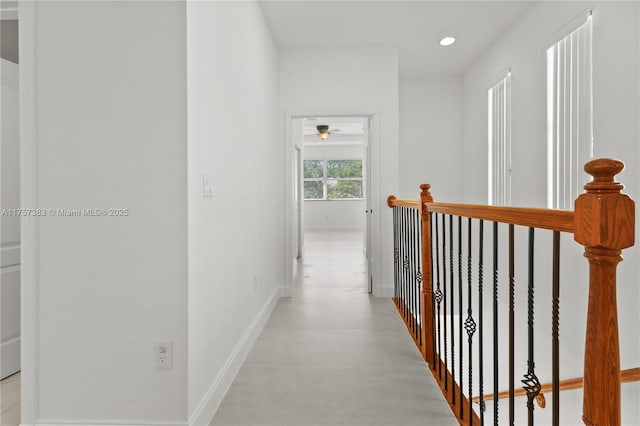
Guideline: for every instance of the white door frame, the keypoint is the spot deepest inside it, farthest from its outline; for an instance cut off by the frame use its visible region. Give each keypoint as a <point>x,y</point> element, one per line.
<point>28,224</point>
<point>375,193</point>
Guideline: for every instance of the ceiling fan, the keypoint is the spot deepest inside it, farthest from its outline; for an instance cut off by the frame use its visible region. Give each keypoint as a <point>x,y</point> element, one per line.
<point>323,131</point>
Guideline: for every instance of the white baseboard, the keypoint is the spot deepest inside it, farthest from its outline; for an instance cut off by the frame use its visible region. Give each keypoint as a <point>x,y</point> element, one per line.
<point>97,422</point>
<point>206,409</point>
<point>383,291</point>
<point>286,292</point>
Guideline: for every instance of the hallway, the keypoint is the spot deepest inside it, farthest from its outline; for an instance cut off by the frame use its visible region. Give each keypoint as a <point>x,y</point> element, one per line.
<point>332,354</point>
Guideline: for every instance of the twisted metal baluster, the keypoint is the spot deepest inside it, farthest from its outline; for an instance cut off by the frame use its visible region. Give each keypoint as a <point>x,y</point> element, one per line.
<point>531,383</point>
<point>438,299</point>
<point>469,323</point>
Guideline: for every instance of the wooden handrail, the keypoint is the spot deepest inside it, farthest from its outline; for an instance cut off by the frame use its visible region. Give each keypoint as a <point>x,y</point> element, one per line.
<point>626,376</point>
<point>554,220</point>
<point>403,202</point>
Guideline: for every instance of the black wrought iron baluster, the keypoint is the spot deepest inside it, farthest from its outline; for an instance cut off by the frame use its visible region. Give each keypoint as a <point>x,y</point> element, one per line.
<point>419,275</point>
<point>511,327</point>
<point>460,349</point>
<point>555,331</point>
<point>444,288</point>
<point>402,263</point>
<point>413,271</point>
<point>496,390</point>
<point>451,318</point>
<point>480,319</point>
<point>531,382</point>
<point>469,322</point>
<point>401,260</point>
<point>405,266</point>
<point>410,274</point>
<point>438,299</point>
<point>432,301</point>
<point>395,253</point>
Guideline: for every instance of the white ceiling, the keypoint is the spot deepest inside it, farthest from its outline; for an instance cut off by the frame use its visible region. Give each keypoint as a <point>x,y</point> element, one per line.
<point>415,27</point>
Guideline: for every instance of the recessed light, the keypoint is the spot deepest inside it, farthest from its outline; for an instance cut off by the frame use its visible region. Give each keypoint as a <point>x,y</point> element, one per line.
<point>447,41</point>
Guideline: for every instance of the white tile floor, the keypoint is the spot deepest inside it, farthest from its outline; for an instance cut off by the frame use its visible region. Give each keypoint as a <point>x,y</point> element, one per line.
<point>332,354</point>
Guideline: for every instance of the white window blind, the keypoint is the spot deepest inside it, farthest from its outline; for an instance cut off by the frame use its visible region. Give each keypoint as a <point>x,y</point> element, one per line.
<point>569,115</point>
<point>500,141</point>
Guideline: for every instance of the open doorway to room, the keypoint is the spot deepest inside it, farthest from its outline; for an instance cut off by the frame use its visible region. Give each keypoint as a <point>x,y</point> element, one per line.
<point>330,196</point>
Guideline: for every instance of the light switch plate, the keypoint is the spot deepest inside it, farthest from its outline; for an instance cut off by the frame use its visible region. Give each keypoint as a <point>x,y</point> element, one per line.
<point>207,187</point>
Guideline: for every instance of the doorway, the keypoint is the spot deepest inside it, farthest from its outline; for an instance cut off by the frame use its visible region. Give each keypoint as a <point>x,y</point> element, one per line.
<point>331,181</point>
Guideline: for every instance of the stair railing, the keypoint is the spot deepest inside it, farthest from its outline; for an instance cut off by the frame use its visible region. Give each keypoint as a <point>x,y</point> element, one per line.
<point>431,241</point>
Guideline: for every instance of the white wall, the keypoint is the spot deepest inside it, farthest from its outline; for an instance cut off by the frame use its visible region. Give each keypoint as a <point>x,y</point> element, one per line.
<point>366,82</point>
<point>10,226</point>
<point>431,137</point>
<point>235,136</point>
<point>111,130</point>
<point>616,39</point>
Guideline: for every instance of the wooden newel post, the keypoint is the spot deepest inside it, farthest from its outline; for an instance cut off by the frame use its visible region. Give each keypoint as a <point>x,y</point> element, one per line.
<point>604,225</point>
<point>427,292</point>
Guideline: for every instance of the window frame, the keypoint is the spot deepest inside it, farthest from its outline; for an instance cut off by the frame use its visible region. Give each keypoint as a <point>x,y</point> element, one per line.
<point>499,139</point>
<point>324,179</point>
<point>570,140</point>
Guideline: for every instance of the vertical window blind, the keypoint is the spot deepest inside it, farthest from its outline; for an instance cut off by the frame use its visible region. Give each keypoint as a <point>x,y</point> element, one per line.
<point>569,114</point>
<point>500,141</point>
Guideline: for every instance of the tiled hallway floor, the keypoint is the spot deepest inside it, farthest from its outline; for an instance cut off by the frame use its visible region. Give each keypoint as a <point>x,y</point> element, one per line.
<point>332,354</point>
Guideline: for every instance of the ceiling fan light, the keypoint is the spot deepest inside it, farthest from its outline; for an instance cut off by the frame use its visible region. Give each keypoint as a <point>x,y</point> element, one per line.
<point>447,41</point>
<point>323,131</point>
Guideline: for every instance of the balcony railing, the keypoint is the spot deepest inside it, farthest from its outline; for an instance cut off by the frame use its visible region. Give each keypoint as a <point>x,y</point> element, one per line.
<point>448,262</point>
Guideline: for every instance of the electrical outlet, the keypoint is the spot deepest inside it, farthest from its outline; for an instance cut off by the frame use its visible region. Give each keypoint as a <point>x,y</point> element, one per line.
<point>255,283</point>
<point>163,350</point>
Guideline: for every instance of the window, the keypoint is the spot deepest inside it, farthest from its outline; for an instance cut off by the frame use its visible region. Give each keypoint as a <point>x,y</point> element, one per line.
<point>569,114</point>
<point>332,179</point>
<point>500,141</point>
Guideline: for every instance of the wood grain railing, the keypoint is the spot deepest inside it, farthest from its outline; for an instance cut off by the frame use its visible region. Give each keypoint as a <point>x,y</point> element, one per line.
<point>603,221</point>
<point>626,376</point>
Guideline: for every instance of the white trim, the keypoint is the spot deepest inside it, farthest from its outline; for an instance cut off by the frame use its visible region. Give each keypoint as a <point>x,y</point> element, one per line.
<point>208,405</point>
<point>375,202</point>
<point>332,144</point>
<point>100,422</point>
<point>498,77</point>
<point>568,28</point>
<point>9,14</point>
<point>29,225</point>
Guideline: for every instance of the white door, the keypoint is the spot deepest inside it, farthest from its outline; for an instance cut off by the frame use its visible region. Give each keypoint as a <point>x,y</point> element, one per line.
<point>297,203</point>
<point>368,210</point>
<point>10,224</point>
